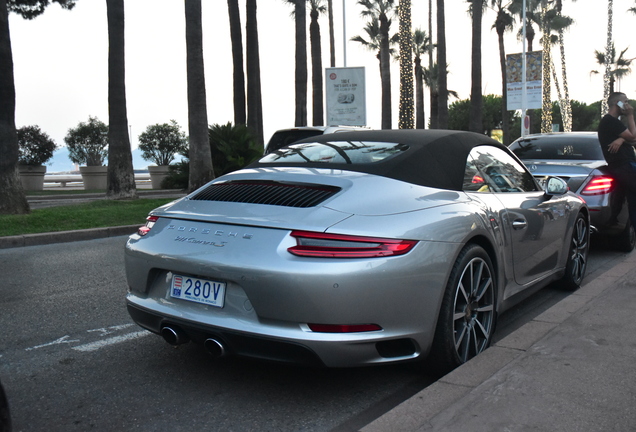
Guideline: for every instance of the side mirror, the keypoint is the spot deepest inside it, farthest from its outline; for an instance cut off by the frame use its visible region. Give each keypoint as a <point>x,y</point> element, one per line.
<point>555,186</point>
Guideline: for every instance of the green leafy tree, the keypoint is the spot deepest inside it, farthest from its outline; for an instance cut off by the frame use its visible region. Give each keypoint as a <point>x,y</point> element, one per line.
<point>12,198</point>
<point>88,143</point>
<point>233,147</point>
<point>459,114</point>
<point>160,143</point>
<point>36,147</point>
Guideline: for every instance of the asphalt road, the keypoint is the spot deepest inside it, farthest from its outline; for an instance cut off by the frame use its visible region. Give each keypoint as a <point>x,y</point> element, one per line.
<point>71,359</point>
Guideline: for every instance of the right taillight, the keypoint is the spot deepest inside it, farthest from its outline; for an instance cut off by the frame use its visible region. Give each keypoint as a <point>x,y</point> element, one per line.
<point>599,185</point>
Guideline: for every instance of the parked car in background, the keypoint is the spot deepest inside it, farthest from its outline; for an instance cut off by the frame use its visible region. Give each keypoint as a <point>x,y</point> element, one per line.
<point>283,137</point>
<point>356,248</point>
<point>577,158</point>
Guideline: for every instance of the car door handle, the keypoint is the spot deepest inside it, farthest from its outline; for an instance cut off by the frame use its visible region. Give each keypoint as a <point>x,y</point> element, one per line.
<point>519,224</point>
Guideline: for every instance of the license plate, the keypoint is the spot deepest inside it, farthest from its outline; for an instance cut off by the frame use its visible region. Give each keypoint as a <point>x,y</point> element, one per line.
<point>198,290</point>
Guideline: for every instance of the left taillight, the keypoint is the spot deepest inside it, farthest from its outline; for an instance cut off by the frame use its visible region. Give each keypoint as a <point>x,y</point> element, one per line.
<point>599,185</point>
<point>323,245</point>
<point>150,222</point>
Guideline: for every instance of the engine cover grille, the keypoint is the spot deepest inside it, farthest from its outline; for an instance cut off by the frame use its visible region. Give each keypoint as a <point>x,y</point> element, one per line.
<point>267,192</point>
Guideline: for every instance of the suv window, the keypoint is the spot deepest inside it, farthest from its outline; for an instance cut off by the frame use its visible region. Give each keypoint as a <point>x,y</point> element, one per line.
<point>557,148</point>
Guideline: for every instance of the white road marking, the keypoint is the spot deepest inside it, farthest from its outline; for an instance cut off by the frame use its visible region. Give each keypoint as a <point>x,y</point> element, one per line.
<point>94,346</point>
<point>62,340</point>
<point>111,329</point>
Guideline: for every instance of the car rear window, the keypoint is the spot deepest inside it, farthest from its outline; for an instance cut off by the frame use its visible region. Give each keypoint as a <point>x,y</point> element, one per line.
<point>285,137</point>
<point>559,149</point>
<point>336,152</point>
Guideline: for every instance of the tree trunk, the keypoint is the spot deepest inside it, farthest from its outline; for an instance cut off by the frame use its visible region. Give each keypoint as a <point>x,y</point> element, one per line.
<point>432,91</point>
<point>406,66</point>
<point>385,72</point>
<point>301,63</point>
<point>476,100</point>
<point>442,79</point>
<point>420,116</point>
<point>236,38</point>
<point>504,91</point>
<point>332,39</point>
<point>201,170</point>
<point>12,198</point>
<point>121,176</point>
<point>254,98</point>
<point>316,70</point>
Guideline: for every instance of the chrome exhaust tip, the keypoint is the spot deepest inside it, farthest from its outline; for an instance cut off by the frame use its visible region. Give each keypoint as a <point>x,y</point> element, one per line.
<point>214,348</point>
<point>174,335</point>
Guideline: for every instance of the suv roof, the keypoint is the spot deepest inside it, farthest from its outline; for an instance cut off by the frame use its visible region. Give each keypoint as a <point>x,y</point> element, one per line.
<point>283,137</point>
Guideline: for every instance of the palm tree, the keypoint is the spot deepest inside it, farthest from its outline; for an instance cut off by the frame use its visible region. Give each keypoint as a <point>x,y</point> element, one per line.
<point>608,51</point>
<point>374,43</point>
<point>316,8</point>
<point>619,67</point>
<point>432,96</point>
<point>121,176</point>
<point>421,45</point>
<point>300,18</point>
<point>332,38</point>
<point>442,78</point>
<point>380,11</point>
<point>201,170</point>
<point>406,66</point>
<point>503,22</point>
<point>12,198</point>
<point>562,24</point>
<point>238,77</point>
<point>254,96</point>
<point>476,100</point>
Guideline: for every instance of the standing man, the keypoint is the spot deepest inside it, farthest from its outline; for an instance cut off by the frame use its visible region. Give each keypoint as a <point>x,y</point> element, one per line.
<point>617,141</point>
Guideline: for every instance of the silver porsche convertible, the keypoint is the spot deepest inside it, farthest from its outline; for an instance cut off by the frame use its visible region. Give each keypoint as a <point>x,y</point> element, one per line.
<point>356,248</point>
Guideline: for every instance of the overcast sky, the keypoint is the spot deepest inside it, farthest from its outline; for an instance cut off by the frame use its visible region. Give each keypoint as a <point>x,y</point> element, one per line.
<point>60,60</point>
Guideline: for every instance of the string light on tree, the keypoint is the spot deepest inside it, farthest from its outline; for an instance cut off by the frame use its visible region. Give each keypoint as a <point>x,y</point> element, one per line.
<point>407,104</point>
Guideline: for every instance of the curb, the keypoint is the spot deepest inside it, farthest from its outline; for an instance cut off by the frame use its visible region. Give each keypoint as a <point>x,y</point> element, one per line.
<point>65,236</point>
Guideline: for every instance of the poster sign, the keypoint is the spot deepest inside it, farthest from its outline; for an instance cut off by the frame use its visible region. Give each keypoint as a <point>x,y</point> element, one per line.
<point>514,82</point>
<point>346,96</point>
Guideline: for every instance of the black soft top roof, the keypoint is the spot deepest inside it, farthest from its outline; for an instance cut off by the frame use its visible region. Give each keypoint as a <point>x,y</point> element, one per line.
<point>435,158</point>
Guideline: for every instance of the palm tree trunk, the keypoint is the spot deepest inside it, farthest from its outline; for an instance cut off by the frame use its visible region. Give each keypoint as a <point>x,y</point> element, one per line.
<point>254,98</point>
<point>607,77</point>
<point>475,123</point>
<point>121,176</point>
<point>316,69</point>
<point>432,92</point>
<point>420,115</point>
<point>201,170</point>
<point>406,66</point>
<point>12,198</point>
<point>546,111</point>
<point>566,106</point>
<point>442,79</point>
<point>300,16</point>
<point>332,38</point>
<point>238,76</point>
<point>385,72</point>
<point>504,91</point>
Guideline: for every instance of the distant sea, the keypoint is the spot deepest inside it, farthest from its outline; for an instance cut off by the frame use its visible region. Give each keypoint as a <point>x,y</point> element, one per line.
<point>60,163</point>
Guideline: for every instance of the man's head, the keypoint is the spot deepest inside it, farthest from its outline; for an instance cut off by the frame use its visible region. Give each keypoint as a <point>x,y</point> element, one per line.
<point>613,99</point>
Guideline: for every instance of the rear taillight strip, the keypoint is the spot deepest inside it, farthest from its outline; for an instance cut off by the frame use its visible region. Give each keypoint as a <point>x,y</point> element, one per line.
<point>599,185</point>
<point>323,245</point>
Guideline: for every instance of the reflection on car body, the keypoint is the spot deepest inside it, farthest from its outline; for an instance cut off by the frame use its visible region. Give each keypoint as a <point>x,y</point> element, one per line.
<point>365,248</point>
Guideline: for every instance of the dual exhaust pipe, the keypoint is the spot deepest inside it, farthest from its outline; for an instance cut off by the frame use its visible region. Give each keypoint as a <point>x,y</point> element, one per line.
<point>175,336</point>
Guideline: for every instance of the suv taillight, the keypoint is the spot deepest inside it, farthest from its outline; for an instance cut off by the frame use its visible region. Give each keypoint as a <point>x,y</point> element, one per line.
<point>599,185</point>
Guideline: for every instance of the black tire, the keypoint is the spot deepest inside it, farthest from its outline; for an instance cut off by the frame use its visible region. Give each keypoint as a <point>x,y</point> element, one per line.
<point>467,317</point>
<point>5,418</point>
<point>626,241</point>
<point>577,254</point>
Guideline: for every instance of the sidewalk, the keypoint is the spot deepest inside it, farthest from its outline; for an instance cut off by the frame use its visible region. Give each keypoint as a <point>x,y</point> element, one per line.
<point>573,368</point>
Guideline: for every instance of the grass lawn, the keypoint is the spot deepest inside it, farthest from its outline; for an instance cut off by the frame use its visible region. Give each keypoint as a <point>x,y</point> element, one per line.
<point>95,214</point>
